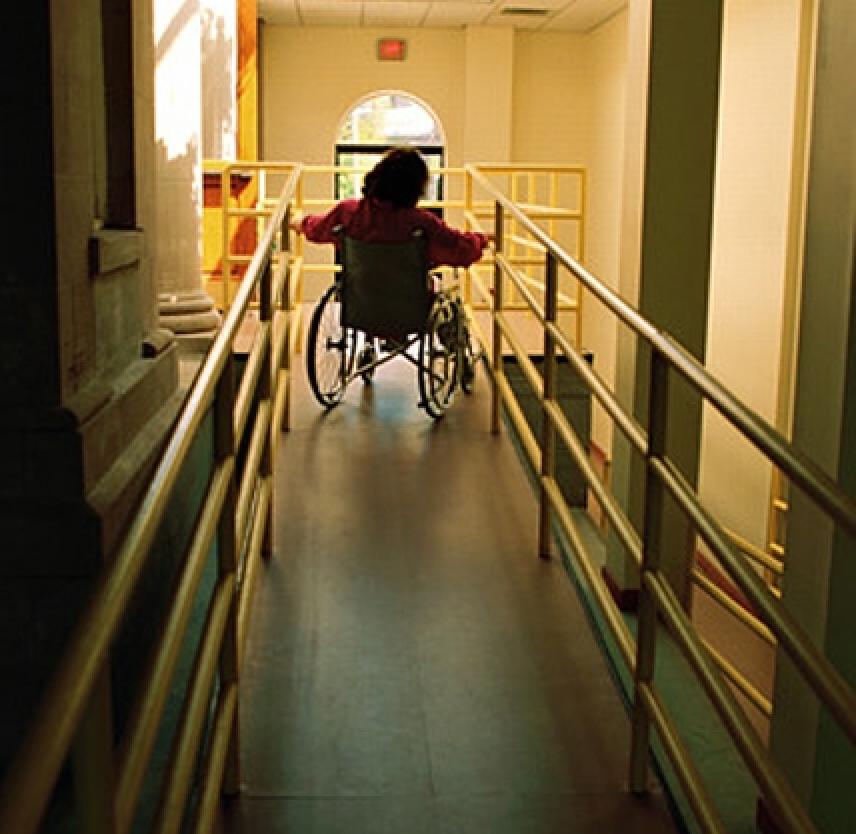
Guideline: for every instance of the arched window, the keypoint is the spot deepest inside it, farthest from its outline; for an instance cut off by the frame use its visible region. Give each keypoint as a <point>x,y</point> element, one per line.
<point>382,121</point>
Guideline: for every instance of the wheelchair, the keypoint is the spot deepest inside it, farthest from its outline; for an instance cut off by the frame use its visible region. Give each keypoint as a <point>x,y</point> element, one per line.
<point>385,303</point>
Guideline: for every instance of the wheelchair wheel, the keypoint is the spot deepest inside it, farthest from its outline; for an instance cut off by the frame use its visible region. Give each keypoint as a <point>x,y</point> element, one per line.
<point>330,350</point>
<point>469,357</point>
<point>440,358</point>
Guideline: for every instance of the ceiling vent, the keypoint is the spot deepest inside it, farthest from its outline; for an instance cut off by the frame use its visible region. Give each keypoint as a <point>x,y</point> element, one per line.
<point>524,11</point>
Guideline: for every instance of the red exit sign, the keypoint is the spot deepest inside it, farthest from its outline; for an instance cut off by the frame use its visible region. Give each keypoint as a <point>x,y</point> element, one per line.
<point>391,49</point>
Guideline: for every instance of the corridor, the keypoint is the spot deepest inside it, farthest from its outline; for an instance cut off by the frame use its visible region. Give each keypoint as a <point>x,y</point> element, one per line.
<point>412,666</point>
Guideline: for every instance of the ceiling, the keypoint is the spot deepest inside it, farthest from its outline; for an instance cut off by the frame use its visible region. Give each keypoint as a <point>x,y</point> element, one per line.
<point>538,15</point>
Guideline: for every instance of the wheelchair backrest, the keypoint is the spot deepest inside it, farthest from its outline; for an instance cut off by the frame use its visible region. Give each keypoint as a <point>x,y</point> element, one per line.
<point>385,286</point>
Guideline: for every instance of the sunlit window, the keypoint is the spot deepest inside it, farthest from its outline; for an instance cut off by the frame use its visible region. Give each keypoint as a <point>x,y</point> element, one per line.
<point>381,122</point>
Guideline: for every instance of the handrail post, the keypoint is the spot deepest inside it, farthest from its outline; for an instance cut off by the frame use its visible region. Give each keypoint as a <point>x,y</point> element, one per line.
<point>92,758</point>
<point>651,539</point>
<point>581,254</point>
<point>497,331</point>
<point>548,430</point>
<point>468,208</point>
<point>266,317</point>
<point>225,262</point>
<point>227,556</point>
<point>285,304</point>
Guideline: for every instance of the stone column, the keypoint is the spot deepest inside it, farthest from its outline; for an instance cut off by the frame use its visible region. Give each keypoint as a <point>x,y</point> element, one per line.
<point>184,307</point>
<point>219,56</point>
<point>89,387</point>
<point>820,563</point>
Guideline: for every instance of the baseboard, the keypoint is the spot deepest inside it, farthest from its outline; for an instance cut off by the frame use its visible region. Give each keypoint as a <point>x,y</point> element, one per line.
<point>627,599</point>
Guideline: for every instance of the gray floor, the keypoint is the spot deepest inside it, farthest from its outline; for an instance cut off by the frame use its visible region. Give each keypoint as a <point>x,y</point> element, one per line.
<point>412,665</point>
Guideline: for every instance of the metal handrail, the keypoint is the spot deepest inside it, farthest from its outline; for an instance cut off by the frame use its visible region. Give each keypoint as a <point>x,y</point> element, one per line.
<point>63,708</point>
<point>657,598</point>
<point>803,471</point>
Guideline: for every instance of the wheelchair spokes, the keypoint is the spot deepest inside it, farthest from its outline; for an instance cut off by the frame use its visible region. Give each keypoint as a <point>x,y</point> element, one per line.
<point>441,351</point>
<point>331,350</point>
<point>441,357</point>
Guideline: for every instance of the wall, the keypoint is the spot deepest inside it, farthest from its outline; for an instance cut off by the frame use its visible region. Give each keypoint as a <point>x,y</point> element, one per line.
<point>219,53</point>
<point>178,45</point>
<point>817,757</point>
<point>605,80</point>
<point>569,107</point>
<point>749,244</point>
<point>311,77</point>
<point>488,85</point>
<point>551,99</point>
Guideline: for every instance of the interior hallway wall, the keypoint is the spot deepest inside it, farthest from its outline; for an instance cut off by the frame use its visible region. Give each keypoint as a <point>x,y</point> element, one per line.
<point>754,156</point>
<point>488,86</point>
<point>550,116</point>
<point>312,76</point>
<point>605,80</point>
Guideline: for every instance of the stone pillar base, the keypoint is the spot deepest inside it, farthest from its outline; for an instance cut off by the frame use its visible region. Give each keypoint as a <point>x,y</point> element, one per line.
<point>192,317</point>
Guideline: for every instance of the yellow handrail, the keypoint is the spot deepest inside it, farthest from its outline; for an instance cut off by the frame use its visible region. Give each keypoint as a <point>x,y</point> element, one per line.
<point>237,508</point>
<point>65,706</point>
<point>657,598</point>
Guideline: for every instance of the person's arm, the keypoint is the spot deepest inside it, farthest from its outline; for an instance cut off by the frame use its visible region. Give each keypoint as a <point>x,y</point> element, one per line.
<point>319,227</point>
<point>451,247</point>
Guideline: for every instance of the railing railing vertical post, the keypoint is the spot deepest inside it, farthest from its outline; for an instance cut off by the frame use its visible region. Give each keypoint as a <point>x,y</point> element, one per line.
<point>227,556</point>
<point>581,255</point>
<point>495,401</point>
<point>285,304</point>
<point>225,262</point>
<point>92,761</point>
<point>548,430</point>
<point>646,642</point>
<point>468,207</point>
<point>266,317</point>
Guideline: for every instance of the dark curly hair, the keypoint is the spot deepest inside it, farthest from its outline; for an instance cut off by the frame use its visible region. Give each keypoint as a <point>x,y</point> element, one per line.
<point>399,178</point>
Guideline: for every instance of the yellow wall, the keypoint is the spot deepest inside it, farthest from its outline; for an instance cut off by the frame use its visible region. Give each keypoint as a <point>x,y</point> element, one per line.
<point>551,98</point>
<point>488,83</point>
<point>606,67</point>
<point>749,245</point>
<point>312,76</point>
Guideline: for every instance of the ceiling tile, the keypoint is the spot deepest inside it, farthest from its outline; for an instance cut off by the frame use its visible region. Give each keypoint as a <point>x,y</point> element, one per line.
<point>451,13</point>
<point>518,21</point>
<point>583,15</point>
<point>566,15</point>
<point>394,13</point>
<point>328,13</point>
<point>279,12</point>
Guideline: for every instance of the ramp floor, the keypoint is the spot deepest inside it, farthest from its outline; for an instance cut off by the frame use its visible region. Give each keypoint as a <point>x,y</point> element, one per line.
<point>412,665</point>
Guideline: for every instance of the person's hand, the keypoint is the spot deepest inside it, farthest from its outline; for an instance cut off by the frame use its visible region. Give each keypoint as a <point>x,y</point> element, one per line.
<point>489,239</point>
<point>294,223</point>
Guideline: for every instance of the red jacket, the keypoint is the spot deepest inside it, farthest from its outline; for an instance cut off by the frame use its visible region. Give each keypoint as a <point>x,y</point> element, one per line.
<point>374,221</point>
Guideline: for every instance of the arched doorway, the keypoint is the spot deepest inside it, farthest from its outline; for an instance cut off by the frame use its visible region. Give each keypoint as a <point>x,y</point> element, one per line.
<point>380,121</point>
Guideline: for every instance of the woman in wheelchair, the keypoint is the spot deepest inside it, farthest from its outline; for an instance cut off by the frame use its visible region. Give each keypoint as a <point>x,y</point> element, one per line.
<point>384,301</point>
